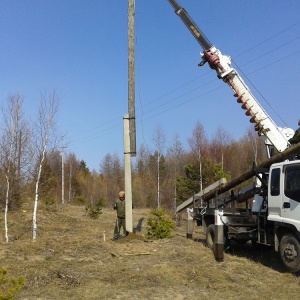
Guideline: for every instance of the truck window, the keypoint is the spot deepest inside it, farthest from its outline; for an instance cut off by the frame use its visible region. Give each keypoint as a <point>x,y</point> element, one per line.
<point>292,182</point>
<point>275,180</point>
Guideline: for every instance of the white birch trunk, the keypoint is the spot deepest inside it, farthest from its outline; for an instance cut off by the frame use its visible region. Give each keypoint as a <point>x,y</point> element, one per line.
<point>14,122</point>
<point>158,190</point>
<point>36,198</point>
<point>70,181</point>
<point>200,169</point>
<point>6,209</point>
<point>47,112</point>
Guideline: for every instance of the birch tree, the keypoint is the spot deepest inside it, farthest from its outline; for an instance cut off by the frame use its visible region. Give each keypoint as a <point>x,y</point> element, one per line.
<point>141,178</point>
<point>257,145</point>
<point>159,139</point>
<point>46,137</point>
<point>11,152</point>
<point>175,154</point>
<point>111,169</point>
<point>71,163</point>
<point>106,167</point>
<point>198,142</point>
<point>220,142</point>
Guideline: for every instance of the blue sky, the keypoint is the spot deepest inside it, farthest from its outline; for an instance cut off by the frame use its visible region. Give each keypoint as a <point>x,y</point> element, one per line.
<point>79,48</point>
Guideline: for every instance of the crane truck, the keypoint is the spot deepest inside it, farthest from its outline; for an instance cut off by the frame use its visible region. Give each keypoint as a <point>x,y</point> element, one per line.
<point>271,214</point>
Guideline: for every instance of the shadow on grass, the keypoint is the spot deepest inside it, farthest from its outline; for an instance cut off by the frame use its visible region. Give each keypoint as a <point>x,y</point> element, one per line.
<point>264,255</point>
<point>257,253</point>
<point>138,227</point>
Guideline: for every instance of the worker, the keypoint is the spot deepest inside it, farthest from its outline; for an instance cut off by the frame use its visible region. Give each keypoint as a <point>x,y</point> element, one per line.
<point>119,206</point>
<point>296,139</point>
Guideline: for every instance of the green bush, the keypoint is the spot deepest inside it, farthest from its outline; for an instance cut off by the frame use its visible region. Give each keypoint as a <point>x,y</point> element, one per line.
<point>49,200</point>
<point>159,225</point>
<point>93,211</point>
<point>8,286</point>
<point>79,200</point>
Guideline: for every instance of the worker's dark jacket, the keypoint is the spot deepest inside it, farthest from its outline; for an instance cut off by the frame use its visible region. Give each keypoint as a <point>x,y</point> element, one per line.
<point>120,208</point>
<point>296,138</point>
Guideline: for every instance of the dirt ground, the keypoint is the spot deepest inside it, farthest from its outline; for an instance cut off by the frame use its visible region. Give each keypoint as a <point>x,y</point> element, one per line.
<point>75,258</point>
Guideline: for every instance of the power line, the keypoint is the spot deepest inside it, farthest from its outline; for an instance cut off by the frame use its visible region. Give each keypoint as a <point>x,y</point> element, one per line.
<point>118,126</point>
<point>268,39</point>
<point>266,66</point>
<point>266,53</point>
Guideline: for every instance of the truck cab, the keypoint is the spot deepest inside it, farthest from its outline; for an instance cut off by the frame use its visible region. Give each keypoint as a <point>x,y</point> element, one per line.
<point>284,194</point>
<point>284,211</point>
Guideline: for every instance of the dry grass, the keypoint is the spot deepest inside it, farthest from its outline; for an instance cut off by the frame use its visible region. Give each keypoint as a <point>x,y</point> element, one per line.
<point>71,260</point>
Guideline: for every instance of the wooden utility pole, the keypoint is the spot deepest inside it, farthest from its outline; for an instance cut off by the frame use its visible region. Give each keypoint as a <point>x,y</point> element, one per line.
<point>127,170</point>
<point>129,121</point>
<point>131,81</point>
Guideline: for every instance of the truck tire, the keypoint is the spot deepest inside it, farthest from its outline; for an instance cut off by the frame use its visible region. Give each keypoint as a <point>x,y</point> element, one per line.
<point>210,236</point>
<point>289,250</point>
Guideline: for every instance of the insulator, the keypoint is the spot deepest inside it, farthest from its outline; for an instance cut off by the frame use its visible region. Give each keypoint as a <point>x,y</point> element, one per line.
<point>250,113</point>
<point>240,99</point>
<point>245,106</point>
<point>254,120</point>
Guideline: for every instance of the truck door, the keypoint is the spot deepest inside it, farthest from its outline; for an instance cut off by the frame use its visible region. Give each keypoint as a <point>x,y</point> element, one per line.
<point>291,195</point>
<point>274,196</point>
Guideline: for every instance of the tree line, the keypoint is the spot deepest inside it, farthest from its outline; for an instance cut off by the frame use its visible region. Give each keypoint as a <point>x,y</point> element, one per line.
<point>32,171</point>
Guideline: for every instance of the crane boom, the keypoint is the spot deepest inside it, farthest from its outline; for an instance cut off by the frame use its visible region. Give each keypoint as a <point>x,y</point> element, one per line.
<point>191,25</point>
<point>274,136</point>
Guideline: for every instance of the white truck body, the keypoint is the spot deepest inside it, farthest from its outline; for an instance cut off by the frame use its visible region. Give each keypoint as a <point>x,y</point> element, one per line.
<point>274,219</point>
<point>284,194</point>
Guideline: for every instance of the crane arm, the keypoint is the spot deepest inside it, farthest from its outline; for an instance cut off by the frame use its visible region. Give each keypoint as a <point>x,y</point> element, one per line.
<point>192,27</point>
<point>274,136</point>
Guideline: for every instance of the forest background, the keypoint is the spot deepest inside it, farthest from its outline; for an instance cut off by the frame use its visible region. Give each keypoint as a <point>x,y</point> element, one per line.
<point>35,168</point>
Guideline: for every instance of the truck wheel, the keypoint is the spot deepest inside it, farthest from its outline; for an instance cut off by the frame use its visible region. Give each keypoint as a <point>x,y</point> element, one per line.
<point>210,236</point>
<point>289,250</point>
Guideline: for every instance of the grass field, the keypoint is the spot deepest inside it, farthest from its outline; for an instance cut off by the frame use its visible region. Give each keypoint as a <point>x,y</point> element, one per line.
<point>75,258</point>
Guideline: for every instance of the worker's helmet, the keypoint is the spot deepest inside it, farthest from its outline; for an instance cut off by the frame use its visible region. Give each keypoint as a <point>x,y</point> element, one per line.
<point>121,194</point>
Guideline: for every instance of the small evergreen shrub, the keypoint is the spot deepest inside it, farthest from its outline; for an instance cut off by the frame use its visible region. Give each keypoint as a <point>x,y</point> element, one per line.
<point>49,200</point>
<point>9,285</point>
<point>79,200</point>
<point>159,225</point>
<point>93,211</point>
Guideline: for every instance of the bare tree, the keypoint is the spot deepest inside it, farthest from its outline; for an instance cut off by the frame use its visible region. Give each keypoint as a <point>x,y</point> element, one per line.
<point>257,145</point>
<point>14,135</point>
<point>141,182</point>
<point>175,154</point>
<point>71,163</point>
<point>46,137</point>
<point>254,139</point>
<point>159,139</point>
<point>220,141</point>
<point>198,143</point>
<point>111,169</point>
